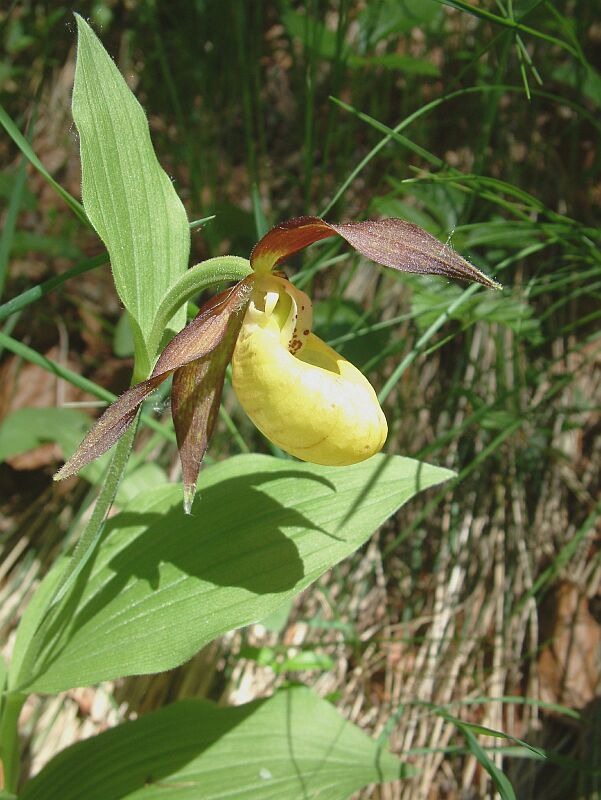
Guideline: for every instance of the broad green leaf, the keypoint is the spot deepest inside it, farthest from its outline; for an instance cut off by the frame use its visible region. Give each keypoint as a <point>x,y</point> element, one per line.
<point>143,478</point>
<point>277,620</point>
<point>26,428</point>
<point>163,584</point>
<point>293,746</point>
<point>32,616</point>
<point>128,197</point>
<point>123,337</point>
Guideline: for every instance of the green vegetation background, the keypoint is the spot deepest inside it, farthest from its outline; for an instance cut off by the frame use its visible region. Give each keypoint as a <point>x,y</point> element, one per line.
<point>263,111</point>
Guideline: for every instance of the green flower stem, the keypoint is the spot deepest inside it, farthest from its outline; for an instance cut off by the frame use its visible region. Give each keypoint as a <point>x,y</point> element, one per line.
<point>202,276</point>
<point>89,538</point>
<point>84,549</point>
<point>9,740</point>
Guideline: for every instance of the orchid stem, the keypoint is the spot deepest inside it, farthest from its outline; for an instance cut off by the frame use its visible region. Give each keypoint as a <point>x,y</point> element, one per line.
<point>9,741</point>
<point>83,551</point>
<point>91,534</point>
<point>208,273</point>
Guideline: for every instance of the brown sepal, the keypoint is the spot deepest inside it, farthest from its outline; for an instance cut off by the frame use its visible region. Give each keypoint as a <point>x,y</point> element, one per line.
<point>111,426</point>
<point>391,242</point>
<point>196,340</point>
<point>195,399</point>
<point>286,239</point>
<point>409,248</point>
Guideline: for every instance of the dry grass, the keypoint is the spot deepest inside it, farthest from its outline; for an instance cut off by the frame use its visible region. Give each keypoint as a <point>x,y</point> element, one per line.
<point>492,591</point>
<point>481,630</point>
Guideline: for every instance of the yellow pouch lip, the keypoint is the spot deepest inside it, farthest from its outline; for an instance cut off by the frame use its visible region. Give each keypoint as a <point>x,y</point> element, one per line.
<point>312,403</point>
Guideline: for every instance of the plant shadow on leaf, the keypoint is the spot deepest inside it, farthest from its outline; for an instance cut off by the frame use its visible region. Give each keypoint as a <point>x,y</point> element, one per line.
<point>211,545</point>
<point>386,459</point>
<point>162,584</point>
<point>252,563</point>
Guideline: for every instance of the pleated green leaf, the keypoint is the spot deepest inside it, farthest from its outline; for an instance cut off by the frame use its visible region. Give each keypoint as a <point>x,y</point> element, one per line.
<point>128,197</point>
<point>3,675</point>
<point>293,746</point>
<point>163,584</point>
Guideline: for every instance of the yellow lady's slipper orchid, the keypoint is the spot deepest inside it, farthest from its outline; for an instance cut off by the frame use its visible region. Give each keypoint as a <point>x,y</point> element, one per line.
<point>299,392</point>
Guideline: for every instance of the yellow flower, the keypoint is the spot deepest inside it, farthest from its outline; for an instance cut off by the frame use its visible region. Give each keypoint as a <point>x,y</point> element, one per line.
<point>299,392</point>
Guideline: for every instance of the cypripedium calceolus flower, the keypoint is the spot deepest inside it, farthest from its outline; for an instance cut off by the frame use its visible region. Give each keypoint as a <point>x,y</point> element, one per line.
<point>300,393</point>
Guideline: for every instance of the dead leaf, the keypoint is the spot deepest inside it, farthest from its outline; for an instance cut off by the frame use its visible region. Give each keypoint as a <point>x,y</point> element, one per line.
<point>24,385</point>
<point>569,666</point>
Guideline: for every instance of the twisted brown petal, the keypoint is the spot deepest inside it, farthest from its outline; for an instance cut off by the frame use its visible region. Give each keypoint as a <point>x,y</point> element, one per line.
<point>111,426</point>
<point>196,340</point>
<point>409,248</point>
<point>195,399</point>
<point>390,242</point>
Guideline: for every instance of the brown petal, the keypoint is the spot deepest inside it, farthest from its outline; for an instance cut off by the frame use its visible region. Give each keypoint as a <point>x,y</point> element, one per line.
<point>195,399</point>
<point>197,339</point>
<point>206,330</point>
<point>409,248</point>
<point>286,239</point>
<point>391,242</point>
<point>111,426</point>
